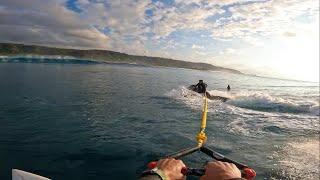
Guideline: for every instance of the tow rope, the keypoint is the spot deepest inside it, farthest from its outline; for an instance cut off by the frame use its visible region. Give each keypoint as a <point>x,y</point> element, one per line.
<point>201,137</point>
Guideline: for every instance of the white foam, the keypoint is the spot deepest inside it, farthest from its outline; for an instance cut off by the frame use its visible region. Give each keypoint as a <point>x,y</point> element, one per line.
<point>221,93</point>
<point>248,120</point>
<point>265,102</point>
<point>239,126</point>
<point>300,159</point>
<point>256,101</point>
<point>38,57</point>
<point>190,98</point>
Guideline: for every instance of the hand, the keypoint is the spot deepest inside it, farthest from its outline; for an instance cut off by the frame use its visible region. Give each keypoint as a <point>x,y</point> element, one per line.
<point>221,171</point>
<point>171,168</point>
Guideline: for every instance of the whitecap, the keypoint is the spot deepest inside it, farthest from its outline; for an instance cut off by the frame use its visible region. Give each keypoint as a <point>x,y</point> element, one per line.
<point>264,102</point>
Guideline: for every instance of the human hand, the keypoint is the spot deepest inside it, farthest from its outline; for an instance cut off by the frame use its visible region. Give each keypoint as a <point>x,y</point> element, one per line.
<point>171,168</point>
<point>221,171</point>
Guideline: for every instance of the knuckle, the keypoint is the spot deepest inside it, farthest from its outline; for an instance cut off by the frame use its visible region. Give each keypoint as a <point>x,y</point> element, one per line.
<point>233,165</point>
<point>180,162</point>
<point>160,161</point>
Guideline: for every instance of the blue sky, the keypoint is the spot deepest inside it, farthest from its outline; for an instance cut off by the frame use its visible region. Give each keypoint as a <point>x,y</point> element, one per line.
<point>259,37</point>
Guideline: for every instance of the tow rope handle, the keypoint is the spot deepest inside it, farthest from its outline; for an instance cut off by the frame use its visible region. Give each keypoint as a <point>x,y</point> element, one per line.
<point>247,173</point>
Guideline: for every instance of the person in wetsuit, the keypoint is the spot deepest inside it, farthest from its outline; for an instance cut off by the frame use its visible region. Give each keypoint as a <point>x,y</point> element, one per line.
<point>228,87</point>
<point>201,87</point>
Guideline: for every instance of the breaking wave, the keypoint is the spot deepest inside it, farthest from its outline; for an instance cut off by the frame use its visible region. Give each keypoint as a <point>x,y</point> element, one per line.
<point>45,59</point>
<point>265,102</point>
<point>257,101</point>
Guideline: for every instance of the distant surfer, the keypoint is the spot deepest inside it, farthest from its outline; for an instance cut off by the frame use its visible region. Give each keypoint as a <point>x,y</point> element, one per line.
<point>228,87</point>
<point>201,88</point>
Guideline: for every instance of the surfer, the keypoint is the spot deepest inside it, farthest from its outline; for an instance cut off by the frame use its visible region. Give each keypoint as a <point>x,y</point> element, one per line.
<point>170,168</point>
<point>228,87</point>
<point>201,88</point>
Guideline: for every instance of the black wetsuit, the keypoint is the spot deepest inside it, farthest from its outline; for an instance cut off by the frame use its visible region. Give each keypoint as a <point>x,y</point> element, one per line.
<point>201,87</point>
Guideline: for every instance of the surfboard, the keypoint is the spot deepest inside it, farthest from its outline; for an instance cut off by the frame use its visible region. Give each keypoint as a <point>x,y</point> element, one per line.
<point>22,175</point>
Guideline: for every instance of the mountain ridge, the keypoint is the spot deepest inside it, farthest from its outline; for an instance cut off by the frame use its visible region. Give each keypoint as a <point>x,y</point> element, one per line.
<point>13,49</point>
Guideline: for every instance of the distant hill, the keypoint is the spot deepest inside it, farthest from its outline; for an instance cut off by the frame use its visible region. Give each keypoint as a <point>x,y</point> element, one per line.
<point>9,49</point>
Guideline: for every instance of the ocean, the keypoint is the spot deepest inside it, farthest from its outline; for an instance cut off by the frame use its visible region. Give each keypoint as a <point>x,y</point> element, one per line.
<point>107,121</point>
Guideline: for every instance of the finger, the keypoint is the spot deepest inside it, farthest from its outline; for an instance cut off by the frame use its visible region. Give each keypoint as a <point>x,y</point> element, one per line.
<point>233,165</point>
<point>168,161</point>
<point>225,164</point>
<point>216,164</point>
<point>180,162</point>
<point>203,177</point>
<point>208,165</point>
<point>161,162</point>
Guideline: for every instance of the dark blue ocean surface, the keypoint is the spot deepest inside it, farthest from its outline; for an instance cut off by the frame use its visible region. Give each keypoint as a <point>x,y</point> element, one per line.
<point>100,121</point>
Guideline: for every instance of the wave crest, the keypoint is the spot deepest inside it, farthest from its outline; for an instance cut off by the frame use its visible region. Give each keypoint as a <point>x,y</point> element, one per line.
<point>265,102</point>
<point>257,101</point>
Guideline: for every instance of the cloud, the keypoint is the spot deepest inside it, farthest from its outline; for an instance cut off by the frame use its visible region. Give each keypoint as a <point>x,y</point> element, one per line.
<point>227,51</point>
<point>194,46</point>
<point>264,18</point>
<point>289,34</point>
<point>201,53</point>
<point>126,27</point>
<point>48,23</point>
<point>125,20</point>
<point>185,15</point>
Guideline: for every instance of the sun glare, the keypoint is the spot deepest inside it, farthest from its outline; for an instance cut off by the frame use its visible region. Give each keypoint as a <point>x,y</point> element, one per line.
<point>292,58</point>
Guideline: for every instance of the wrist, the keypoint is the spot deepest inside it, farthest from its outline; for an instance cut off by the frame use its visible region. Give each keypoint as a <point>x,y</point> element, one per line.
<point>156,171</point>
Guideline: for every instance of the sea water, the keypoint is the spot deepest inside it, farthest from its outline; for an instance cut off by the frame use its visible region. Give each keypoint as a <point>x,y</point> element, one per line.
<point>104,121</point>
